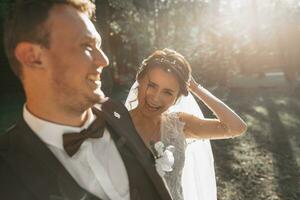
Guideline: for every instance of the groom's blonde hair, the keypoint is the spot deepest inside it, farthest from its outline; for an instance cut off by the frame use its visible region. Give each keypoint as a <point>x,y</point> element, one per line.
<point>25,21</point>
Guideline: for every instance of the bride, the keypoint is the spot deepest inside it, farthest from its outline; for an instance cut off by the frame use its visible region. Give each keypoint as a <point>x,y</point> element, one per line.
<point>160,113</point>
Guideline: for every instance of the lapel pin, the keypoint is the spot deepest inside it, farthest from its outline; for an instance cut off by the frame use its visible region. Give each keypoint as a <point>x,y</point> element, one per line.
<point>117,115</point>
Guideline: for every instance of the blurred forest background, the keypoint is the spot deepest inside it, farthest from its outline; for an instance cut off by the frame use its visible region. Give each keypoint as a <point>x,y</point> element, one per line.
<point>247,52</point>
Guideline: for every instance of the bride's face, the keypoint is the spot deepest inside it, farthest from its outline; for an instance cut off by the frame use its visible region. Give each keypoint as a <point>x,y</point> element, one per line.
<point>157,91</point>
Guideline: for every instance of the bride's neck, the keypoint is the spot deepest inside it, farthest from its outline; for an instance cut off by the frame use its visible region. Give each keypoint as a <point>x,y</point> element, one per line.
<point>147,127</point>
<point>139,117</point>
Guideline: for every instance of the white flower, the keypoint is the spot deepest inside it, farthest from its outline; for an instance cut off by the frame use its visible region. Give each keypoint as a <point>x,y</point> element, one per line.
<point>159,148</point>
<point>165,159</point>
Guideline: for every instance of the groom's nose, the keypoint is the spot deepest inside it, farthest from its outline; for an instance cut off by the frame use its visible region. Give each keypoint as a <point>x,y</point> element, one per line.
<point>100,58</point>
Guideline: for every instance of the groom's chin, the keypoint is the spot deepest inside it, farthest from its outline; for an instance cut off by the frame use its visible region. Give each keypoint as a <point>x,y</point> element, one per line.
<point>99,96</point>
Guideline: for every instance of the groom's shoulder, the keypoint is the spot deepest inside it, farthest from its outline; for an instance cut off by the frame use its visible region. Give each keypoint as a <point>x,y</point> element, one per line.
<point>5,147</point>
<point>4,141</point>
<point>5,137</point>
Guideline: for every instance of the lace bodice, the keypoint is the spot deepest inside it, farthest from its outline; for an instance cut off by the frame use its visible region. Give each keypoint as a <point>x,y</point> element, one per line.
<point>172,134</point>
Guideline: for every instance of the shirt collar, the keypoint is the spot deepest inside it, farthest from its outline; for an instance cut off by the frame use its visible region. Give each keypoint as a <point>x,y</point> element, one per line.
<point>49,132</point>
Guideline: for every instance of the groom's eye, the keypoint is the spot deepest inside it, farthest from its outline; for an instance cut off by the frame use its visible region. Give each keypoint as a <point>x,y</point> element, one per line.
<point>87,46</point>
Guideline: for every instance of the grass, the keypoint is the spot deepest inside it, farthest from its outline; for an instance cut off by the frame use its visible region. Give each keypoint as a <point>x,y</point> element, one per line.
<point>263,164</point>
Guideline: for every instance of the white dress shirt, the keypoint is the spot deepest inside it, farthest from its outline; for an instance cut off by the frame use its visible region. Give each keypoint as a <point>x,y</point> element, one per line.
<point>97,166</point>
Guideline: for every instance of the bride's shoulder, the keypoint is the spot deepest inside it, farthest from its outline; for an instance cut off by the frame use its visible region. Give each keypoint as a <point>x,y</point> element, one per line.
<point>172,127</point>
<point>181,116</point>
<point>173,118</point>
<point>171,115</point>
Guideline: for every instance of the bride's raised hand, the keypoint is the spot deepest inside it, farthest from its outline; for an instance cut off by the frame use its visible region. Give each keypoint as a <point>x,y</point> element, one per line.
<point>193,85</point>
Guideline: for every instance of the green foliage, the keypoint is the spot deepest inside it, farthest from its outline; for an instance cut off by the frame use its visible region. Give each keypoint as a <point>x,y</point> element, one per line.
<point>220,38</point>
<point>3,8</point>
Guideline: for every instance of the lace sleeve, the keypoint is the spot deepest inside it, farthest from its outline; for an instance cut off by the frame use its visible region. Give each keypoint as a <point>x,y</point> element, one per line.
<point>172,126</point>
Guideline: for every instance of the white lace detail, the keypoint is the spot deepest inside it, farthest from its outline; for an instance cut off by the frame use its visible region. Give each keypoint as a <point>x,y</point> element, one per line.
<point>172,134</point>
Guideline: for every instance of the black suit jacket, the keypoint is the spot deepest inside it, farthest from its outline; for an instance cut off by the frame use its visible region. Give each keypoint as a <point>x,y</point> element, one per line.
<point>29,170</point>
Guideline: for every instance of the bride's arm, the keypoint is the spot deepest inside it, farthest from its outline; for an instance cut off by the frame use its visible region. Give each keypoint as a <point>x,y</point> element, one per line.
<point>228,124</point>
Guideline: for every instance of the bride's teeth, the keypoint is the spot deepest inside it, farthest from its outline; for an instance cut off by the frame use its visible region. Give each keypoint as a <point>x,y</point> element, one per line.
<point>154,107</point>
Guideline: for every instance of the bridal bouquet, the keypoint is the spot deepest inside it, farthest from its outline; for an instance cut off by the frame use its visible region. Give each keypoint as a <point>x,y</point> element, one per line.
<point>164,159</point>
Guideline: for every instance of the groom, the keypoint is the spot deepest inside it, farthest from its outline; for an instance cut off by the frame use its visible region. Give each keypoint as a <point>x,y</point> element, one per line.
<point>66,145</point>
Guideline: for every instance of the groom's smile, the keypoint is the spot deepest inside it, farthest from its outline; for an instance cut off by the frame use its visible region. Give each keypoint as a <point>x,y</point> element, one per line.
<point>94,80</point>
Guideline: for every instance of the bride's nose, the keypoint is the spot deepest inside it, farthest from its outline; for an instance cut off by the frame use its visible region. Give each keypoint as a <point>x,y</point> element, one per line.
<point>155,97</point>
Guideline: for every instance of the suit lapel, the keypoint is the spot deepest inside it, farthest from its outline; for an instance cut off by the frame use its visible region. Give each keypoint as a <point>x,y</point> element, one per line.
<point>38,168</point>
<point>121,122</point>
<point>117,116</point>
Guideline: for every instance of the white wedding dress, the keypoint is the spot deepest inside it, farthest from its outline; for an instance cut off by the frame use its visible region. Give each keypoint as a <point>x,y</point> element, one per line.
<point>193,176</point>
<point>171,131</point>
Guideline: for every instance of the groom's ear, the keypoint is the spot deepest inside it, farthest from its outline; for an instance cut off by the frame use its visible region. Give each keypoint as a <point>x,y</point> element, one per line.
<point>28,54</point>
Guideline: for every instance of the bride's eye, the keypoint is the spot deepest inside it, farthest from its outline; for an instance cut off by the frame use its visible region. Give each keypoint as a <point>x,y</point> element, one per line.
<point>151,85</point>
<point>169,93</point>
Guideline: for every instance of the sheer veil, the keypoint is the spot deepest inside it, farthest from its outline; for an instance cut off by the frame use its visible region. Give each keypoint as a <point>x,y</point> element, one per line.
<point>198,178</point>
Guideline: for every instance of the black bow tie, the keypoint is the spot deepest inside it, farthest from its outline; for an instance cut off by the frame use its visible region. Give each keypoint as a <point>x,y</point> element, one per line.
<point>73,141</point>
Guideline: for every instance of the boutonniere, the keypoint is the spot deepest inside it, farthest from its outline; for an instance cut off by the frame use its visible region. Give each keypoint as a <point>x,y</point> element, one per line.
<point>164,158</point>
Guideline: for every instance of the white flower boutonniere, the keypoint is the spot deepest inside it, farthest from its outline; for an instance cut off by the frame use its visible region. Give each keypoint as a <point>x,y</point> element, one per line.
<point>164,159</point>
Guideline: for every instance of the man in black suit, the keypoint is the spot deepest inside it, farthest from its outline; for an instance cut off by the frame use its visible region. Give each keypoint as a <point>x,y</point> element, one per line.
<point>55,50</point>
